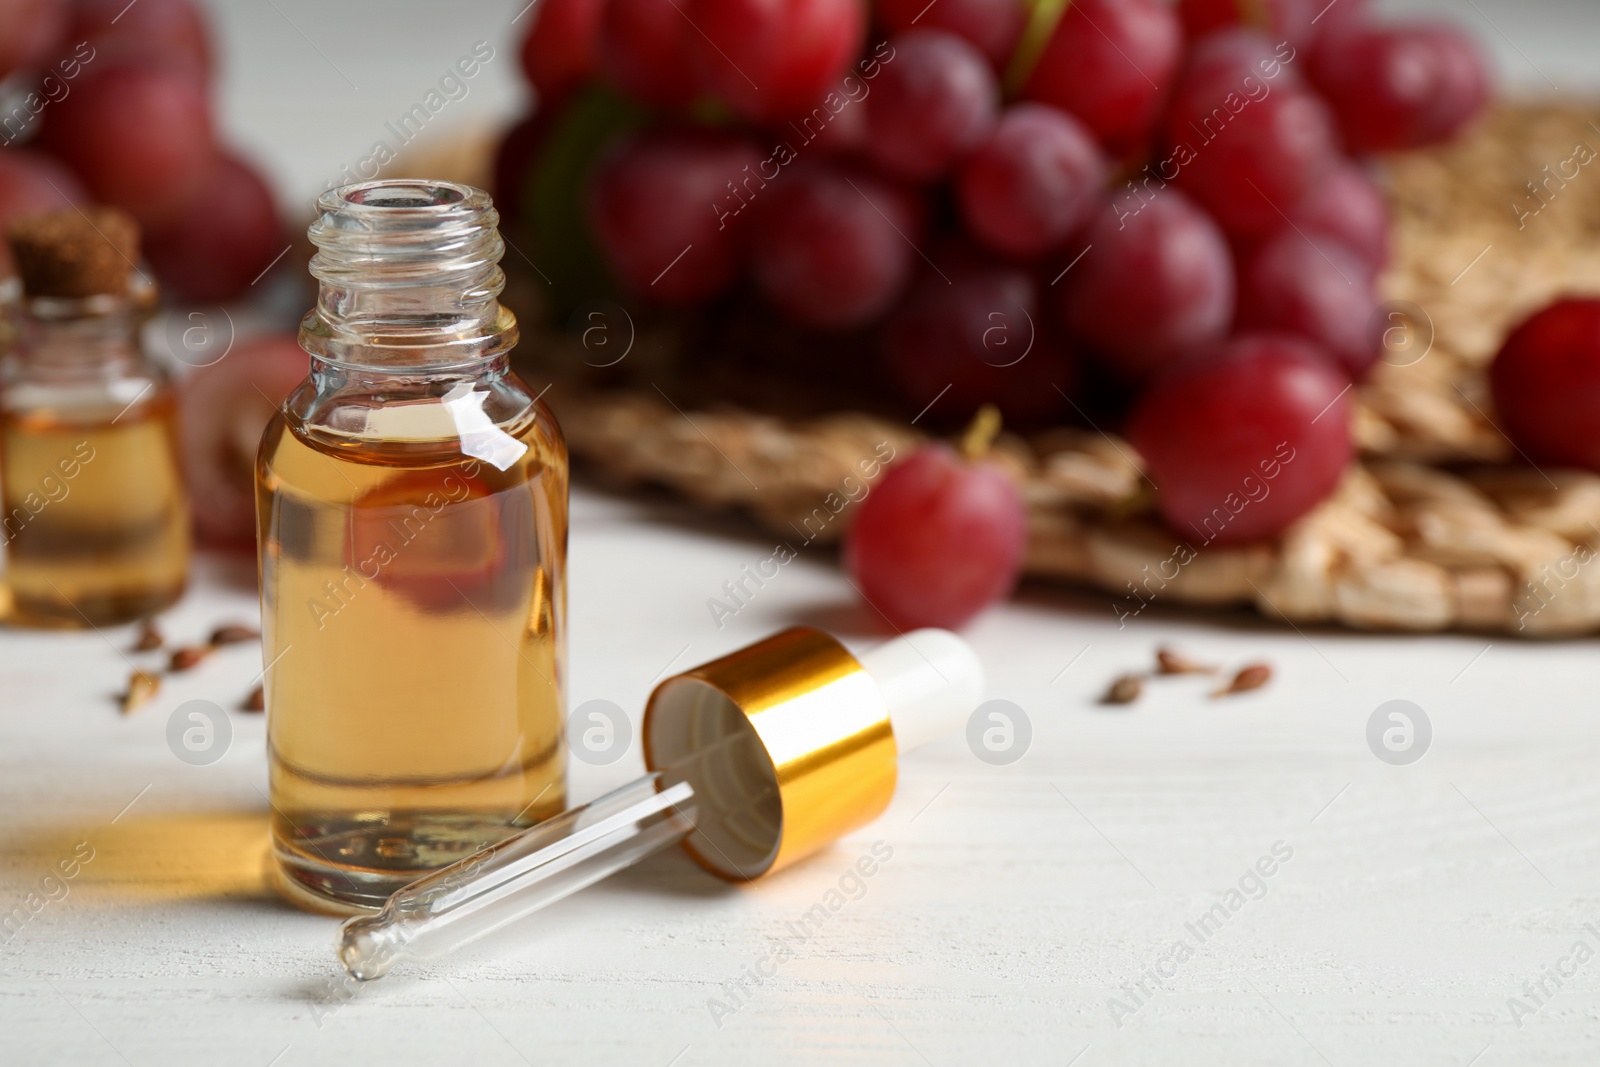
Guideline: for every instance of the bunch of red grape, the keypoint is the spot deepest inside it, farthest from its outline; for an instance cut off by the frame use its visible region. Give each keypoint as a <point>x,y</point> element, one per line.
<point>106,101</point>
<point>1020,203</point>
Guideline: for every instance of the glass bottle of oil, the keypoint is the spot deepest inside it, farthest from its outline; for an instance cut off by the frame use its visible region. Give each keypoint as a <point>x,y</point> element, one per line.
<point>95,523</point>
<point>412,510</point>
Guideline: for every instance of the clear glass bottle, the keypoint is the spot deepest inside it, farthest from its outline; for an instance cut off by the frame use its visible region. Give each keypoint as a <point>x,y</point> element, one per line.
<point>412,510</point>
<point>95,520</point>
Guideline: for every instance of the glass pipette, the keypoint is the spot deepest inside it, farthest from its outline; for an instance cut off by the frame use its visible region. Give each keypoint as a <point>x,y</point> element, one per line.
<point>757,759</point>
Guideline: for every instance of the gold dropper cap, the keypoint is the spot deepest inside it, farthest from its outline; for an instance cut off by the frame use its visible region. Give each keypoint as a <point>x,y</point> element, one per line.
<point>792,742</point>
<point>820,723</point>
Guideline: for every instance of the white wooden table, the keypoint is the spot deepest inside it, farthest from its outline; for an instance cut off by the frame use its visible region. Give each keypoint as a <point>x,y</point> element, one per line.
<point>1023,905</point>
<point>1017,903</point>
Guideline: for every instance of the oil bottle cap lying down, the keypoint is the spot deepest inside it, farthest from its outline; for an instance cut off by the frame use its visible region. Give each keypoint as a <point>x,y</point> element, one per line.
<point>755,761</point>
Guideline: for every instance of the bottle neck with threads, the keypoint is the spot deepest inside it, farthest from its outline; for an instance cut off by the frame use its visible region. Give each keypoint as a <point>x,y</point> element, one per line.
<point>409,275</point>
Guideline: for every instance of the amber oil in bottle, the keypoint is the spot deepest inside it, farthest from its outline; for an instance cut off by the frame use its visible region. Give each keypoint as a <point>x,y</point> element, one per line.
<point>412,509</point>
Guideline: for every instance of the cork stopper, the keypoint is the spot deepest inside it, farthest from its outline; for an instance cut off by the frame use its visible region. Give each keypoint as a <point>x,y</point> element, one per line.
<point>73,253</point>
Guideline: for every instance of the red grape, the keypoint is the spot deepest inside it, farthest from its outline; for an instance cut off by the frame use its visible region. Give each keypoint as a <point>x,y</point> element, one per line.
<point>30,30</point>
<point>971,334</point>
<point>1320,291</point>
<point>991,26</point>
<point>31,183</point>
<point>513,159</point>
<point>1464,83</point>
<point>1399,86</point>
<point>1222,62</point>
<point>1347,204</point>
<point>1286,20</point>
<point>664,213</point>
<point>221,257</point>
<point>1156,280</point>
<point>837,130</point>
<point>937,540</point>
<point>1246,440</point>
<point>137,134</point>
<point>1378,82</point>
<point>832,248</point>
<point>644,50</point>
<point>558,53</point>
<point>1337,15</point>
<point>773,59</point>
<point>224,408</point>
<point>170,29</point>
<point>933,102</point>
<point>1546,385</point>
<point>1111,64</point>
<point>1036,179</point>
<point>1246,146</point>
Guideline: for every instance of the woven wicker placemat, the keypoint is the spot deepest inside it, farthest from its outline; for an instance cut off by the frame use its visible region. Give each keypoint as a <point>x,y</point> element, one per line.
<point>1439,527</point>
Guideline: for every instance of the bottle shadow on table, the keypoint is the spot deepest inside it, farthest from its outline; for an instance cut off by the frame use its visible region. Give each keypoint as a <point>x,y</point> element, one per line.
<point>141,859</point>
